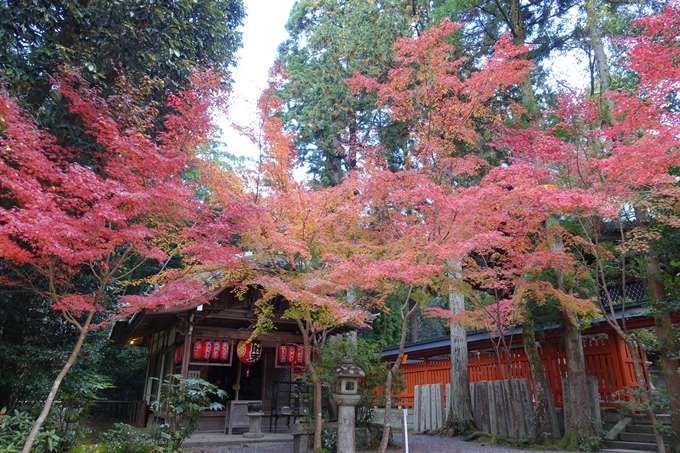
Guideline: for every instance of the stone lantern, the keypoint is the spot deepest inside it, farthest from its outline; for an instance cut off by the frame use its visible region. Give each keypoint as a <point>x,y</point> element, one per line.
<point>346,397</point>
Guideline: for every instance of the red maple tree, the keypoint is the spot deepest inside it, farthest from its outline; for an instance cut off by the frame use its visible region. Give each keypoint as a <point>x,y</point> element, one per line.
<point>622,154</point>
<point>102,209</point>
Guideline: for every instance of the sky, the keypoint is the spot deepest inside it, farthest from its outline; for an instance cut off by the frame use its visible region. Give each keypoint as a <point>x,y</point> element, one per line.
<point>263,30</point>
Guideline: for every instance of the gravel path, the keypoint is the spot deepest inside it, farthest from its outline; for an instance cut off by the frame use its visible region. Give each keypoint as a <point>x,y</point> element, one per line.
<point>417,444</point>
<point>245,447</point>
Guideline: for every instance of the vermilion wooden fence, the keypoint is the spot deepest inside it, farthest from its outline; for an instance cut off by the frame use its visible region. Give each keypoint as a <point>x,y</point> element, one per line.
<point>606,358</point>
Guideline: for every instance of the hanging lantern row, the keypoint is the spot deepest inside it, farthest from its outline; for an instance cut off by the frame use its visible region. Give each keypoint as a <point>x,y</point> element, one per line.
<point>207,350</point>
<point>291,354</point>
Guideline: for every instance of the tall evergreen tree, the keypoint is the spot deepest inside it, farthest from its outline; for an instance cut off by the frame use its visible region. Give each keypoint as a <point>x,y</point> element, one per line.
<point>329,41</point>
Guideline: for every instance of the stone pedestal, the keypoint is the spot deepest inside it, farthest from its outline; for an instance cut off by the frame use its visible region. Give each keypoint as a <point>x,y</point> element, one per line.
<point>255,429</point>
<point>346,422</point>
<point>303,437</point>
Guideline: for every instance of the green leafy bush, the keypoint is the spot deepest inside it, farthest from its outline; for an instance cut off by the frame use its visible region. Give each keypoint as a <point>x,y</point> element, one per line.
<point>181,404</point>
<point>14,430</point>
<point>329,439</point>
<point>588,443</point>
<point>366,355</point>
<point>591,443</point>
<point>124,438</point>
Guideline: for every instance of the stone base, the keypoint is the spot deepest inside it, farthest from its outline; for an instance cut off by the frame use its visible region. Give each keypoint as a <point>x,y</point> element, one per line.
<point>253,435</point>
<point>365,436</point>
<point>303,437</point>
<point>255,429</point>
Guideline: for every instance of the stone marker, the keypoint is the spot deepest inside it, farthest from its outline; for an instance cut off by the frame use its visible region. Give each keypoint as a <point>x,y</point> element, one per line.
<point>447,409</point>
<point>438,406</point>
<point>499,398</point>
<point>472,396</point>
<point>521,410</point>
<point>493,409</point>
<point>594,398</point>
<point>417,408</point>
<point>566,402</point>
<point>477,413</point>
<point>427,412</point>
<point>484,405</point>
<point>509,417</point>
<point>554,422</point>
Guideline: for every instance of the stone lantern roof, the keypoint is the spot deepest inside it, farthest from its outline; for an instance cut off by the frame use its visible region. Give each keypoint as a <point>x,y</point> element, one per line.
<point>347,369</point>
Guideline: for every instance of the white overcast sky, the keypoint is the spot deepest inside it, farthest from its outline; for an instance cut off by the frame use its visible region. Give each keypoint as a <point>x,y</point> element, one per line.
<point>263,30</point>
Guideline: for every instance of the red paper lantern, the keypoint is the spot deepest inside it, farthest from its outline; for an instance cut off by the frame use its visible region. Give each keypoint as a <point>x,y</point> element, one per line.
<point>179,352</point>
<point>300,354</point>
<point>224,351</point>
<point>207,350</point>
<point>291,354</point>
<point>199,348</point>
<point>249,352</point>
<point>215,354</point>
<point>283,354</point>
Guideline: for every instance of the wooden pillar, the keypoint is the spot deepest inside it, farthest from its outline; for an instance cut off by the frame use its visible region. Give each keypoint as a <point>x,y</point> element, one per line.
<point>186,355</point>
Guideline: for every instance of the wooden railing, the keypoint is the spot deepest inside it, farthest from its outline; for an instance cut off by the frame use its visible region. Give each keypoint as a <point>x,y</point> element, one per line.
<point>131,412</point>
<point>606,358</point>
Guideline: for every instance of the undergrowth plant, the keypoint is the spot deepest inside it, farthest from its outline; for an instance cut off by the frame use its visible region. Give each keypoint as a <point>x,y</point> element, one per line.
<point>181,404</point>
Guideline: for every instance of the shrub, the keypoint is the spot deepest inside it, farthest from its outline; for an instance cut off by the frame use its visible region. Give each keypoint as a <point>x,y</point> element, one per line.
<point>14,430</point>
<point>181,404</point>
<point>366,355</point>
<point>329,439</point>
<point>124,438</point>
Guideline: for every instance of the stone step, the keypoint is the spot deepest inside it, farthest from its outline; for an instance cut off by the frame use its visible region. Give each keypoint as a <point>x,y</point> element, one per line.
<point>637,446</point>
<point>619,450</point>
<point>645,429</point>
<point>643,419</point>
<point>639,437</point>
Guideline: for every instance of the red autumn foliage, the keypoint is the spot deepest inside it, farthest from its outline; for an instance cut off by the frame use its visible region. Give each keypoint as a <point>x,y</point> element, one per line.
<point>62,209</point>
<point>103,208</point>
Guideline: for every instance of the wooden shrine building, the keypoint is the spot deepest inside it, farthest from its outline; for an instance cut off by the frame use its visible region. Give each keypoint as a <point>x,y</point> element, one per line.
<point>205,341</point>
<point>606,356</point>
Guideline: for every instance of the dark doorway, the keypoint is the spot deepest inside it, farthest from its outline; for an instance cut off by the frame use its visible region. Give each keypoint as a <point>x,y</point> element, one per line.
<point>251,381</point>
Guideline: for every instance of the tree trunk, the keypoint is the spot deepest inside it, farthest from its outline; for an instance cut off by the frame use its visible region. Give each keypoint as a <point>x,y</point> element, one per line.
<point>84,329</point>
<point>318,414</point>
<point>577,399</point>
<point>538,376</point>
<point>414,327</point>
<point>598,47</point>
<point>460,413</point>
<point>519,39</point>
<point>666,335</point>
<point>307,335</point>
<point>335,173</point>
<point>387,424</point>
